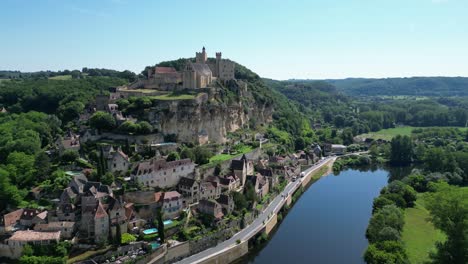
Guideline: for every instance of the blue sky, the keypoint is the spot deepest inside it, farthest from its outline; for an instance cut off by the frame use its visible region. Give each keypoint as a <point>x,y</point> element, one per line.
<point>313,39</point>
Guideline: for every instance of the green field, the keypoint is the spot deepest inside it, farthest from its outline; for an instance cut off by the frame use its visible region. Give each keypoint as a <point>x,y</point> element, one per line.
<point>4,80</point>
<point>61,77</point>
<point>419,235</point>
<point>166,97</point>
<point>389,133</point>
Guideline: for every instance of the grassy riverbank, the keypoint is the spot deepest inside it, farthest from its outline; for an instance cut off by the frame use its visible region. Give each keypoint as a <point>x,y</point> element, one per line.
<point>389,133</point>
<point>419,234</point>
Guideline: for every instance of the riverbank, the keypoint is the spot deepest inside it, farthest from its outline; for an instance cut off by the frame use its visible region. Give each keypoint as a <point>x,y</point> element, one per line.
<point>237,246</point>
<point>419,234</point>
<point>330,216</point>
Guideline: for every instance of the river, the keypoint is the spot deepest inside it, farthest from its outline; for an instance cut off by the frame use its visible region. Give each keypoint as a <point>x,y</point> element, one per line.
<point>327,224</point>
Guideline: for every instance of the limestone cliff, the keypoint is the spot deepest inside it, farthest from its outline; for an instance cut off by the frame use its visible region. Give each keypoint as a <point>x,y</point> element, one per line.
<point>212,114</point>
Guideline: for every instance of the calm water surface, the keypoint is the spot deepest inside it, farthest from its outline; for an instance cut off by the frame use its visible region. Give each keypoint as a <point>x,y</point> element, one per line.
<point>328,223</point>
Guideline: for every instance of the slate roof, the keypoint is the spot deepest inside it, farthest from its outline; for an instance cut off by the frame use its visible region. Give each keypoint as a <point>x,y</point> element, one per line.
<point>201,68</point>
<point>186,182</point>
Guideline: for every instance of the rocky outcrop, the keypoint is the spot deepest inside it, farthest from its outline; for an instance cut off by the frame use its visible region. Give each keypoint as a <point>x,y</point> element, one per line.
<point>214,113</point>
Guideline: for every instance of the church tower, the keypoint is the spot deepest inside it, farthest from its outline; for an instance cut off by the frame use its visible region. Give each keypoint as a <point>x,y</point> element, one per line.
<point>201,57</point>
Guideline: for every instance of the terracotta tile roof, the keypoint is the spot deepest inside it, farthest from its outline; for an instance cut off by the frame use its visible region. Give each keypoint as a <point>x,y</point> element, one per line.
<point>13,217</point>
<point>173,195</point>
<point>158,196</point>
<point>29,235</point>
<point>163,70</point>
<point>42,215</point>
<point>100,211</point>
<point>54,225</point>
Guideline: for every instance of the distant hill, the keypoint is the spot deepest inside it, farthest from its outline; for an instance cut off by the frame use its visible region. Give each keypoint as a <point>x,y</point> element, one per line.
<point>415,86</point>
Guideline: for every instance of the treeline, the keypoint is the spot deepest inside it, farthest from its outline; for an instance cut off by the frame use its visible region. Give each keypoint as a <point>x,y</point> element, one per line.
<point>64,98</point>
<point>416,86</point>
<point>441,153</point>
<point>75,74</point>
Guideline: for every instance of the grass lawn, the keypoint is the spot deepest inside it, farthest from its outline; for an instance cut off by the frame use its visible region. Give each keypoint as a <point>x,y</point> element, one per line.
<point>166,97</point>
<point>389,133</point>
<point>419,235</point>
<point>223,157</point>
<point>61,77</point>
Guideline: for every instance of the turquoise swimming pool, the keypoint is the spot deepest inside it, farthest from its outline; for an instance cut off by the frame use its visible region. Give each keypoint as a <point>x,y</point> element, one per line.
<point>167,222</point>
<point>154,245</point>
<point>150,231</point>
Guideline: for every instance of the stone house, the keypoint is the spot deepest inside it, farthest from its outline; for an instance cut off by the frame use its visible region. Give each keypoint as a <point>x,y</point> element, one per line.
<point>189,188</point>
<point>171,204</point>
<point>291,171</point>
<point>209,190</point>
<point>66,229</point>
<point>117,216</point>
<point>227,203</point>
<point>334,149</point>
<point>69,142</point>
<point>17,241</point>
<point>161,173</point>
<point>261,185</point>
<point>117,160</point>
<point>229,183</point>
<point>95,221</point>
<point>100,226</point>
<point>273,178</point>
<point>164,78</point>
<point>241,168</point>
<point>210,207</point>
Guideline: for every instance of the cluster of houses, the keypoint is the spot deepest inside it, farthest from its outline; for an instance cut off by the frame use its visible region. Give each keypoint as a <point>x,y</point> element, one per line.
<point>90,212</point>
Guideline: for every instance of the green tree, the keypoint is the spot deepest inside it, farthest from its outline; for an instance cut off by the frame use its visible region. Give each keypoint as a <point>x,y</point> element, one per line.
<point>299,143</point>
<point>448,206</point>
<point>159,219</point>
<point>42,166</point>
<point>173,156</point>
<point>388,216</point>
<point>9,193</point>
<point>69,156</point>
<point>70,111</point>
<point>21,168</point>
<point>127,238</point>
<point>187,153</point>
<point>102,121</point>
<point>144,127</point>
<point>347,136</point>
<point>401,150</point>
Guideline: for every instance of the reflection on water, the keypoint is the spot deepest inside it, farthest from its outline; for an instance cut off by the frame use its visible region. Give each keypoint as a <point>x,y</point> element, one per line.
<point>328,222</point>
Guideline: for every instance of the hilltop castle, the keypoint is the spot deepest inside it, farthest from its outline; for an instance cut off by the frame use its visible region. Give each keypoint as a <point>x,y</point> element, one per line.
<point>198,74</point>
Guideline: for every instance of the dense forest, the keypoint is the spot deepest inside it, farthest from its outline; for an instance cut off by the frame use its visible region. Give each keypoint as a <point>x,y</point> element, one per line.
<point>415,86</point>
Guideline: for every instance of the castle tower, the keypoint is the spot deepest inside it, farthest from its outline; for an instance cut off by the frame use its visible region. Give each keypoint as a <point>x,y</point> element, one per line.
<point>201,57</point>
<point>218,62</point>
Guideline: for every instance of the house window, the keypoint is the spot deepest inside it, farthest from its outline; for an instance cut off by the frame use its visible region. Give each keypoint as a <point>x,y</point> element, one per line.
<point>115,165</point>
<point>173,170</point>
